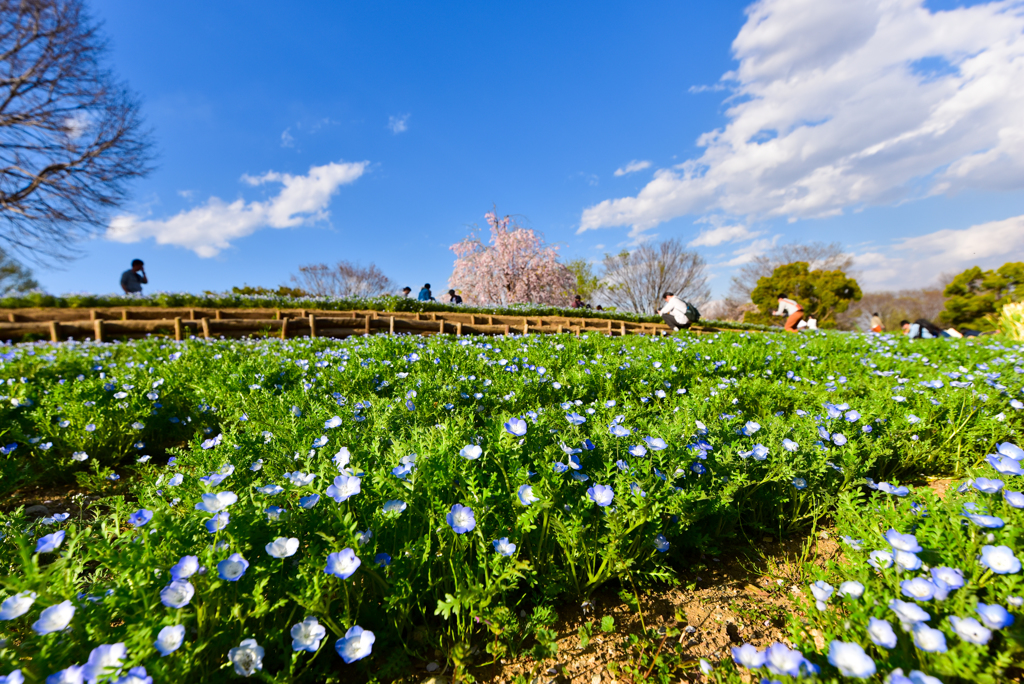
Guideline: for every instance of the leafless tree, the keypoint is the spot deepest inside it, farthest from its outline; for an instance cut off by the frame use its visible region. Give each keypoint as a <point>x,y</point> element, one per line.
<point>636,280</point>
<point>819,255</point>
<point>15,279</point>
<point>893,307</point>
<point>344,279</point>
<point>71,136</point>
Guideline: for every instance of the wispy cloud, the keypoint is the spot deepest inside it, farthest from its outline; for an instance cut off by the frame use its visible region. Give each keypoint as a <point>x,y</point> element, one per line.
<point>398,124</point>
<point>712,237</point>
<point>840,105</point>
<point>632,166</point>
<point>919,261</point>
<point>208,229</point>
<point>287,139</point>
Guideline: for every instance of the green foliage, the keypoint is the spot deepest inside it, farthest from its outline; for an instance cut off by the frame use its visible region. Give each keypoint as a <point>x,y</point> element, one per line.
<point>281,291</point>
<point>607,624</point>
<point>15,278</point>
<point>823,294</point>
<point>587,282</point>
<point>975,297</point>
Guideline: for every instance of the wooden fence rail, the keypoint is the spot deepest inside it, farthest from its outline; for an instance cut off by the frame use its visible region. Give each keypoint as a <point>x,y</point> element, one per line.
<point>105,324</point>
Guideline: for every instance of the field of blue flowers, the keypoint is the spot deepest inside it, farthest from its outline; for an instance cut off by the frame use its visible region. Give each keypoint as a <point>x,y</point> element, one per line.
<point>332,511</point>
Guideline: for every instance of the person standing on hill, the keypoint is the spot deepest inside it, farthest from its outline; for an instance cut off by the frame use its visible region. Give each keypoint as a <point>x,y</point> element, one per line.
<point>425,295</point>
<point>134,278</point>
<point>876,323</point>
<point>791,309</point>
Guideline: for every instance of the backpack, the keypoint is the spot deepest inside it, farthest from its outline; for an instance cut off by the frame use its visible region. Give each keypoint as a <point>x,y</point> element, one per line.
<point>692,314</point>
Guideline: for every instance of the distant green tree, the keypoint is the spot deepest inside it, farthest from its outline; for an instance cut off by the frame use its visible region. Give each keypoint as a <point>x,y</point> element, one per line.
<point>975,297</point>
<point>282,291</point>
<point>15,279</point>
<point>588,284</point>
<point>823,294</point>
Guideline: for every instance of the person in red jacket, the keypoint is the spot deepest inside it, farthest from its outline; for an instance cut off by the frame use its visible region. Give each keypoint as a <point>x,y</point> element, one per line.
<point>791,309</point>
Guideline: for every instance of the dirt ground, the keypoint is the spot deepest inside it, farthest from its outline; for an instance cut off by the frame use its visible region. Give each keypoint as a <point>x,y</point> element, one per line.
<point>722,602</point>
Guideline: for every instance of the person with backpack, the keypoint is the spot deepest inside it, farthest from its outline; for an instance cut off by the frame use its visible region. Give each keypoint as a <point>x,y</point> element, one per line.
<point>425,294</point>
<point>792,310</point>
<point>678,314</point>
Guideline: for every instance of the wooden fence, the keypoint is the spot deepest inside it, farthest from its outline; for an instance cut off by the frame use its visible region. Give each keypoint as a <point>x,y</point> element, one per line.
<point>114,323</point>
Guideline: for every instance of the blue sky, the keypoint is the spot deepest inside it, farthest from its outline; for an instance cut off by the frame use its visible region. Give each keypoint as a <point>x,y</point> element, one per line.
<point>383,132</point>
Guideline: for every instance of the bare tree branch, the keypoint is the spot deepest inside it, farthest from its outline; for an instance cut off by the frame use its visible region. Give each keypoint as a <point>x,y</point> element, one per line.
<point>344,279</point>
<point>819,256</point>
<point>636,280</point>
<point>71,137</point>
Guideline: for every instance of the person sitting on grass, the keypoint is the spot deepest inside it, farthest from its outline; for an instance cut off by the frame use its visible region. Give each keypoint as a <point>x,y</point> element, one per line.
<point>454,298</point>
<point>792,310</point>
<point>922,329</point>
<point>674,312</point>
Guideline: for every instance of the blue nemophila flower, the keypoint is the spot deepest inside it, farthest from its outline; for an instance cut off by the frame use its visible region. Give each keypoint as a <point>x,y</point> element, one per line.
<point>270,489</point>
<point>345,486</point>
<point>342,564</point>
<point>895,491</point>
<point>471,452</point>
<point>382,559</point>
<point>80,456</point>
<point>839,439</point>
<point>660,543</point>
<point>50,542</point>
<point>851,588</point>
<point>299,479</point>
<point>1011,451</point>
<point>970,630</point>
<point>918,589</point>
<point>852,416</point>
<point>946,579</point>
<point>909,614</point>
<point>177,594</point>
<point>587,444</point>
<point>822,591</point>
<point>91,427</point>
<point>987,486</point>
<point>320,441</point>
<point>1000,560</point>
<point>656,443</point>
<point>602,495</point>
<point>994,615</point>
<point>185,568</point>
<point>1004,465</point>
<point>618,430</point>
<point>790,445</point>
<point>750,428</point>
<point>503,546</point>
<point>247,657</point>
<point>307,635</point>
<point>233,568</point>
<point>257,465</point>
<point>635,490</point>
<point>332,423</point>
<point>355,645</point>
<point>516,427</point>
<point>575,419</point>
<point>823,433</point>
<point>214,503</point>
<point>208,443</point>
<point>929,639</point>
<point>902,542</point>
<point>526,495</point>
<point>698,468</point>
<point>906,560</point>
<point>881,633</point>
<point>140,517</point>
<point>800,483</point>
<point>622,465</point>
<point>637,450</point>
<point>782,660</point>
<point>308,502</point>
<point>17,605</point>
<point>104,660</point>
<point>220,521</point>
<point>559,467</point>
<point>574,462</point>
<point>169,639</point>
<point>394,506</point>
<point>984,521</point>
<point>54,619</point>
<point>282,547</point>
<point>748,656</point>
<point>176,480</point>
<point>461,519</point>
<point>854,544</point>
<point>850,659</point>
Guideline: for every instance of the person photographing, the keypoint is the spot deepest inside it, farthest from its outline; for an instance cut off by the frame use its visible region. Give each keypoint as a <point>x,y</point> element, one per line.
<point>675,312</point>
<point>792,310</point>
<point>134,278</point>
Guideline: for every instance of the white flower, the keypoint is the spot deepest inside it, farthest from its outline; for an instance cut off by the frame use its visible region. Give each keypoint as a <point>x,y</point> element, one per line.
<point>17,605</point>
<point>850,659</point>
<point>851,588</point>
<point>283,548</point>
<point>471,452</point>
<point>105,660</point>
<point>355,645</point>
<point>970,630</point>
<point>247,657</point>
<point>214,503</point>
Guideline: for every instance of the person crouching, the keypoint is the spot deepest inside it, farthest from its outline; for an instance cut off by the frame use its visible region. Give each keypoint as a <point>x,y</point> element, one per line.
<point>674,312</point>
<point>792,310</point>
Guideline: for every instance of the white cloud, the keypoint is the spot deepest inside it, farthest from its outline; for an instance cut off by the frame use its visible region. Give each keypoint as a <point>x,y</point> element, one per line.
<point>287,139</point>
<point>398,124</point>
<point>722,234</point>
<point>918,261</point>
<point>747,253</point>
<point>633,166</point>
<point>842,104</point>
<point>209,228</point>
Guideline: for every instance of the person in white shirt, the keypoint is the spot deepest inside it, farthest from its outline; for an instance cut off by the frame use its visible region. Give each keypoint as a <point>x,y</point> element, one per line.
<point>674,312</point>
<point>792,310</point>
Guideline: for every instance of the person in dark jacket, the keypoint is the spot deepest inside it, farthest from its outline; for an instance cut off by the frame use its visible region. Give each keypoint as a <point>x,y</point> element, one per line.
<point>454,298</point>
<point>922,329</point>
<point>134,278</point>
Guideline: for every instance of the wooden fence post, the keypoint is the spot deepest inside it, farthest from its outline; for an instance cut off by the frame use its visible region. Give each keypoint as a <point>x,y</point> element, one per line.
<point>458,328</point>
<point>312,325</point>
<point>284,328</point>
<point>441,326</point>
<point>206,326</point>
<point>506,329</point>
<point>216,314</point>
<point>92,314</point>
<point>366,323</point>
<point>97,325</point>
<point>191,314</point>
<point>177,328</point>
<point>622,328</point>
<point>54,331</point>
<point>124,314</point>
